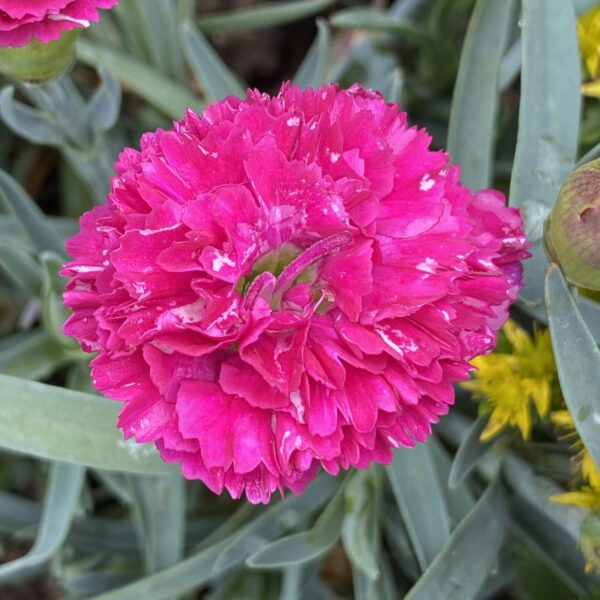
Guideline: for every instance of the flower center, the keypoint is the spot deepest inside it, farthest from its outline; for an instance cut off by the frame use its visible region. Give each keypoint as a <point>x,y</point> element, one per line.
<point>277,271</point>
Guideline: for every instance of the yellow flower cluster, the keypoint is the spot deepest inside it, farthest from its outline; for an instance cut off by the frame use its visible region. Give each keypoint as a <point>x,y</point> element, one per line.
<point>507,383</point>
<point>588,33</point>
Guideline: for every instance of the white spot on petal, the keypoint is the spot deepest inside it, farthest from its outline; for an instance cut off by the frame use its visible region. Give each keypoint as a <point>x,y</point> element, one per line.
<point>220,260</point>
<point>426,183</point>
<point>60,17</point>
<point>296,400</point>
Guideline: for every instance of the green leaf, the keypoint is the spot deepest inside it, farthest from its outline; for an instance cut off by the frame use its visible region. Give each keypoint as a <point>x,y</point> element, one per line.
<point>159,517</point>
<point>31,355</point>
<point>64,487</point>
<point>32,124</point>
<point>459,571</point>
<point>536,491</point>
<point>54,312</point>
<point>550,102</point>
<point>395,88</point>
<point>549,113</point>
<point>31,218</point>
<point>534,215</point>
<point>377,20</point>
<point>469,452</point>
<point>577,361</point>
<point>420,498</point>
<point>292,583</point>
<point>59,424</point>
<point>471,133</point>
<point>210,71</point>
<point>312,72</point>
<point>307,546</point>
<point>556,548</point>
<point>209,563</point>
<point>539,581</point>
<point>582,6</point>
<point>158,21</point>
<point>399,544</point>
<point>163,93</point>
<point>253,536</point>
<point>510,66</point>
<point>105,105</point>
<point>360,531</point>
<point>263,16</point>
<point>23,270</point>
<point>459,500</point>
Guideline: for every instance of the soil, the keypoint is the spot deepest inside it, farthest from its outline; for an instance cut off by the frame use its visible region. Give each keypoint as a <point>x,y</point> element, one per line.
<point>266,57</point>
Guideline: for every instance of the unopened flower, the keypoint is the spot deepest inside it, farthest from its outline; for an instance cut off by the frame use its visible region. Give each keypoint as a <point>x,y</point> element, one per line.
<point>37,37</point>
<point>571,231</point>
<point>288,282</point>
<point>507,383</point>
<point>45,20</point>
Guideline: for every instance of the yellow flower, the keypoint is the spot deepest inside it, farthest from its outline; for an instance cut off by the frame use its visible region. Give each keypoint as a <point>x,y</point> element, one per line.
<point>508,383</point>
<point>588,33</point>
<point>589,494</point>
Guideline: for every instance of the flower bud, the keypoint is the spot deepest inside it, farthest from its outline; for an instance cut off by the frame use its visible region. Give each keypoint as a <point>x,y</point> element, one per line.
<point>38,62</point>
<point>590,541</point>
<point>572,231</point>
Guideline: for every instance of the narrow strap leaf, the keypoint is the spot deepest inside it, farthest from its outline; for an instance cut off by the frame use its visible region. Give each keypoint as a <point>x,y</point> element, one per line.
<point>307,546</point>
<point>471,134</point>
<point>420,498</point>
<point>577,360</point>
<point>262,16</point>
<point>211,72</point>
<point>64,487</point>
<point>313,69</point>
<point>163,93</point>
<point>469,453</point>
<point>59,424</point>
<point>477,541</point>
<point>27,213</point>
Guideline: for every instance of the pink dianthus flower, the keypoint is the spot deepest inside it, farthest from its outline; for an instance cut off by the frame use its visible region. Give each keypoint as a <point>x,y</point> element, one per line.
<point>288,282</point>
<point>45,20</point>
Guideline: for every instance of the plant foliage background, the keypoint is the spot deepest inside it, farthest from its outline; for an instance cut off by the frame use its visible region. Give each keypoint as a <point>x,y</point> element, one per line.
<point>84,514</point>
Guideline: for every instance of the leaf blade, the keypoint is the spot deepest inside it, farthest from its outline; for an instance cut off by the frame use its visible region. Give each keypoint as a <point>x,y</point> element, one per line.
<point>212,73</point>
<point>163,93</point>
<point>262,16</point>
<point>59,424</point>
<point>475,99</point>
<point>416,485</point>
<point>577,360</point>
<point>27,213</point>
<point>64,487</point>
<point>306,546</point>
<point>448,579</point>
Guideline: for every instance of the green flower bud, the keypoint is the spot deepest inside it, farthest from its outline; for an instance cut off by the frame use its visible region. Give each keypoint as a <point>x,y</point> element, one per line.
<point>590,541</point>
<point>38,62</point>
<point>572,230</point>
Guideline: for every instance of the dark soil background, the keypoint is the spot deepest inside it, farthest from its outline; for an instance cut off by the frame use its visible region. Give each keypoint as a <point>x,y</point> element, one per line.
<point>266,57</point>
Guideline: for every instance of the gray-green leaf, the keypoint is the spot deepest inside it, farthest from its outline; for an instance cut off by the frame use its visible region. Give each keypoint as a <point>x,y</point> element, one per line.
<point>59,424</point>
<point>577,360</point>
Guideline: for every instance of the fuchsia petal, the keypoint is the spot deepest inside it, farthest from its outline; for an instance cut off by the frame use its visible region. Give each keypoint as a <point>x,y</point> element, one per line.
<point>287,282</point>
